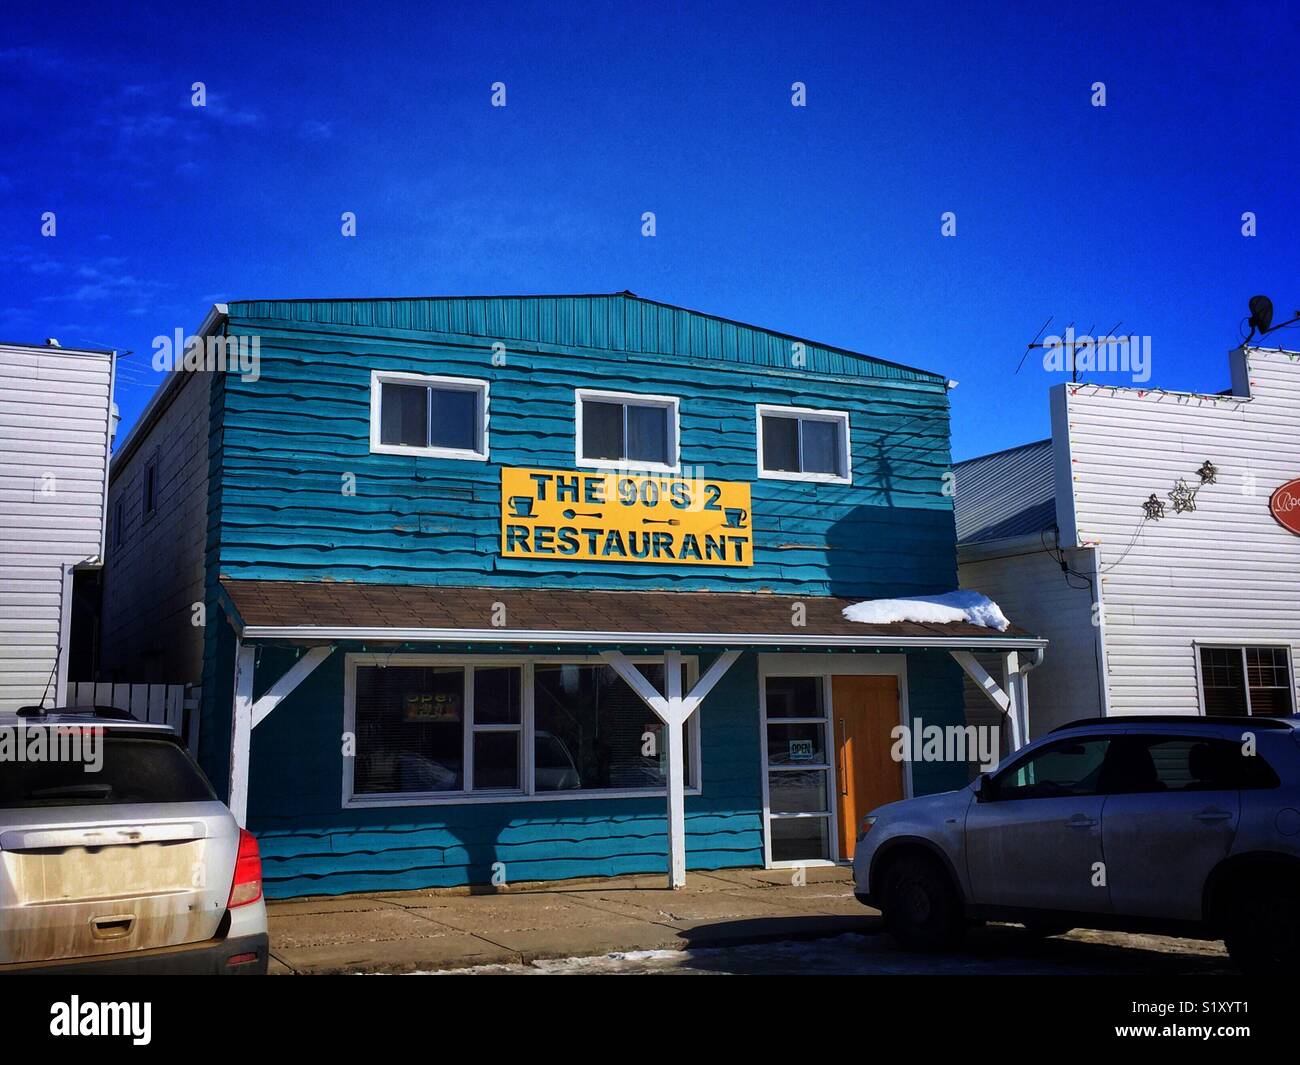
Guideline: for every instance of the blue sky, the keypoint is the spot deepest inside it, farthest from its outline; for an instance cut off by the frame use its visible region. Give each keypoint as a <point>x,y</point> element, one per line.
<point>821,221</point>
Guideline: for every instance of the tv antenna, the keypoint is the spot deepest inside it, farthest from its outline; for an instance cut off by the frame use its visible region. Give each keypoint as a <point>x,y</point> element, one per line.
<point>1072,347</point>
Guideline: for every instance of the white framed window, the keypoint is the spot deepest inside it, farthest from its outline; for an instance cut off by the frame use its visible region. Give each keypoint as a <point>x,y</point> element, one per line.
<point>617,430</point>
<point>424,414</point>
<point>803,444</point>
<point>436,729</point>
<point>1246,680</point>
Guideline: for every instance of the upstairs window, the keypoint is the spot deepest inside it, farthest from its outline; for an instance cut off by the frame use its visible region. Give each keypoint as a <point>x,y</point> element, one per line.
<point>418,414</point>
<point>626,429</point>
<point>1247,681</point>
<point>799,444</point>
<point>119,523</point>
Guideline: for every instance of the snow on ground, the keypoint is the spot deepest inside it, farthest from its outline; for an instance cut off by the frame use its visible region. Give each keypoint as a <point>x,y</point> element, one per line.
<point>971,607</point>
<point>995,950</point>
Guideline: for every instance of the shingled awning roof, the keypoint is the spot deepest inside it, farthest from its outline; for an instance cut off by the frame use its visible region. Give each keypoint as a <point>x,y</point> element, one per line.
<point>330,611</point>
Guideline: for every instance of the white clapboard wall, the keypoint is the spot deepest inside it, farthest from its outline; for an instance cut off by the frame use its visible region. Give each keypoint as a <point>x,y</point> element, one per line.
<point>173,705</point>
<point>1224,572</point>
<point>54,440</point>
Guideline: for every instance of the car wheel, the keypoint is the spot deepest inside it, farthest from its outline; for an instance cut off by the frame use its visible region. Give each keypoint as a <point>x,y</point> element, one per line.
<point>920,906</point>
<point>1262,927</point>
<point>1046,929</point>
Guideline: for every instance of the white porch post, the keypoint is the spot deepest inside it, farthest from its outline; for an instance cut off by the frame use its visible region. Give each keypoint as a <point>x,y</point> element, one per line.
<point>248,714</point>
<point>673,709</point>
<point>241,732</point>
<point>1017,687</point>
<point>675,734</point>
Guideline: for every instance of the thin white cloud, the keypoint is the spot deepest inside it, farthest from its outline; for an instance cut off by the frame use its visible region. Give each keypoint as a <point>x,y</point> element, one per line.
<point>218,108</point>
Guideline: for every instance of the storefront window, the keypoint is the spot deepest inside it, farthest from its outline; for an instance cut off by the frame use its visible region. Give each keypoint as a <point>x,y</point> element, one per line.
<point>439,730</point>
<point>410,725</point>
<point>593,732</point>
<point>497,706</point>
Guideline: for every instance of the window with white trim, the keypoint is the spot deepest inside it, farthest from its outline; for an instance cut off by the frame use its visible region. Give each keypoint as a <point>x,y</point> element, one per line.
<point>800,444</point>
<point>1247,681</point>
<point>616,429</point>
<point>421,414</point>
<point>434,729</point>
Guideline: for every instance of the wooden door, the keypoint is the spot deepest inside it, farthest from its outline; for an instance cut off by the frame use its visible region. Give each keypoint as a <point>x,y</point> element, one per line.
<point>863,712</point>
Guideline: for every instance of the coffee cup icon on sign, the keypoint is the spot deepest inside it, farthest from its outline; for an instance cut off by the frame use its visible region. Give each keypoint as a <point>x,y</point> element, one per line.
<point>521,506</point>
<point>737,517</point>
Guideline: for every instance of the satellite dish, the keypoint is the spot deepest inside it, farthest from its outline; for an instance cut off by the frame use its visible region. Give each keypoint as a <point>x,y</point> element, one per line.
<point>1261,313</point>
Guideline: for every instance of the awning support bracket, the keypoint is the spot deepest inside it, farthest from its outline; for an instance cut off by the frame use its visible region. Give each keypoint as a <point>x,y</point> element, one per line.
<point>673,708</point>
<point>248,714</point>
<point>1012,696</point>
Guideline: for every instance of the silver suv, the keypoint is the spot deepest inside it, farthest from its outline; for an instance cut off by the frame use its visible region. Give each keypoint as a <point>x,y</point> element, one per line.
<point>1187,826</point>
<point>116,856</point>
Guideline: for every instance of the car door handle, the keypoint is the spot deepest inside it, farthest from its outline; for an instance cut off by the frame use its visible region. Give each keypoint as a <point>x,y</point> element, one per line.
<point>1080,821</point>
<point>1210,816</point>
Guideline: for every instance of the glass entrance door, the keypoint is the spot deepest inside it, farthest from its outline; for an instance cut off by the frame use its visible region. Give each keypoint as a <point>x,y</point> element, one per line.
<point>798,768</point>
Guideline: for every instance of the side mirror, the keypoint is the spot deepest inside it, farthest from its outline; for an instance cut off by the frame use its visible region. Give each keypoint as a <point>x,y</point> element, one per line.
<point>983,788</point>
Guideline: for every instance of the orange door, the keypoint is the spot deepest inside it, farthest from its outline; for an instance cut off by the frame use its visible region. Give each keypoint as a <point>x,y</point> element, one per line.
<point>863,711</point>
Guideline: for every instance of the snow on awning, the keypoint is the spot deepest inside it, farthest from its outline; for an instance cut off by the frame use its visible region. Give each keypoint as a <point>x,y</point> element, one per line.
<point>969,607</point>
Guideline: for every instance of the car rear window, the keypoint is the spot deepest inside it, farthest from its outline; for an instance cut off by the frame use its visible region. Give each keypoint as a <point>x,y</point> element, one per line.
<point>1159,763</point>
<point>117,770</point>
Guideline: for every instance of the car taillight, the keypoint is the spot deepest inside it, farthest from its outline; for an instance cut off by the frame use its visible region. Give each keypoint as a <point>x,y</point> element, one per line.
<point>247,886</point>
<point>865,827</point>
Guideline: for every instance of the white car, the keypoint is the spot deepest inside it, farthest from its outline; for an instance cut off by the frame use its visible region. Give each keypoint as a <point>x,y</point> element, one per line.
<point>115,854</point>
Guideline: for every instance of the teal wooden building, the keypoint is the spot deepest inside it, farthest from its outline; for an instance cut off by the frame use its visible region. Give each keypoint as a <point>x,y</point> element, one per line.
<point>509,589</point>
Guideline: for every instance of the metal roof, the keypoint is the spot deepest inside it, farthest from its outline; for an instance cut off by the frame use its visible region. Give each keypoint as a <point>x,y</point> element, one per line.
<point>1005,494</point>
<point>621,321</point>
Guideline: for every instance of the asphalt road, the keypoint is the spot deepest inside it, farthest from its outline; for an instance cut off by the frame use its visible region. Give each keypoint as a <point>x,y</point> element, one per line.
<point>996,949</point>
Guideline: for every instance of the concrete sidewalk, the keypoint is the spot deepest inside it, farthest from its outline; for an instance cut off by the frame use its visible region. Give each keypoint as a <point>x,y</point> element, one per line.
<point>394,932</point>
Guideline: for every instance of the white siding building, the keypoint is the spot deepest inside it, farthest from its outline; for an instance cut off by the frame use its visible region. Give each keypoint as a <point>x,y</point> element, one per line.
<point>56,428</point>
<point>1196,610</point>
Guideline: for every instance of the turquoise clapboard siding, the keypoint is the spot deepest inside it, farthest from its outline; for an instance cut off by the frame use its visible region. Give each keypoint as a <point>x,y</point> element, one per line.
<point>934,686</point>
<point>311,846</point>
<point>289,439</point>
<point>281,446</point>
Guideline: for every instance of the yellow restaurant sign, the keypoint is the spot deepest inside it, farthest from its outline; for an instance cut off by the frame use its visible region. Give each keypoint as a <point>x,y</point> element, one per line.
<point>625,517</point>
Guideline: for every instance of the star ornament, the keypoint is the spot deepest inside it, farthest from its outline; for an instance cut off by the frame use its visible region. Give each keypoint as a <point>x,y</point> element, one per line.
<point>1155,510</point>
<point>1183,497</point>
<point>1208,472</point>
